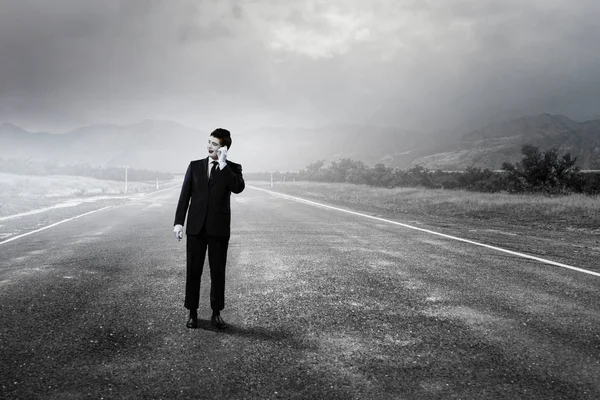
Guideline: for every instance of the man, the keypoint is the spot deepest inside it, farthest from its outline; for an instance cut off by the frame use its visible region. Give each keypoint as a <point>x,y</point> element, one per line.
<point>208,183</point>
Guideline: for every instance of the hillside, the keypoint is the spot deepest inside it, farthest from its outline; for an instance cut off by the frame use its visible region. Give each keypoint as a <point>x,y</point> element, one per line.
<point>169,146</point>
<point>294,148</point>
<point>153,145</point>
<point>489,146</point>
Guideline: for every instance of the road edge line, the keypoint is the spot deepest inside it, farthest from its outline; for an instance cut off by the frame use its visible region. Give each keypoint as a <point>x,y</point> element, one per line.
<point>514,253</point>
<point>81,215</point>
<point>53,225</point>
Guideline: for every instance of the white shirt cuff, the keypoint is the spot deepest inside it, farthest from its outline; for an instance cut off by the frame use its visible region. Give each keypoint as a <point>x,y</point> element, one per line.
<point>222,165</point>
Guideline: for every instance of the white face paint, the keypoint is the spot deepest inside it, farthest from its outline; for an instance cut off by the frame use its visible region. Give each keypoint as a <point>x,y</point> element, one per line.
<point>213,146</point>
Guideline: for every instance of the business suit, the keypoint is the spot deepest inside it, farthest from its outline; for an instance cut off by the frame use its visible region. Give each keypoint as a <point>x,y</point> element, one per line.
<point>207,205</point>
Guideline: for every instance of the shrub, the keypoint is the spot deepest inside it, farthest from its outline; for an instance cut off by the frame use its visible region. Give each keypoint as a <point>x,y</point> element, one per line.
<point>543,171</point>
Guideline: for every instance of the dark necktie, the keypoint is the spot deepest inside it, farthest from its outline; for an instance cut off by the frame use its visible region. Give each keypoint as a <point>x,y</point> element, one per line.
<point>213,169</point>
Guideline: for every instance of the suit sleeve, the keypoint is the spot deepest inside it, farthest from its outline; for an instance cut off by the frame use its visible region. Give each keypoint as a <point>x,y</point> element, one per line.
<point>184,197</point>
<point>236,179</point>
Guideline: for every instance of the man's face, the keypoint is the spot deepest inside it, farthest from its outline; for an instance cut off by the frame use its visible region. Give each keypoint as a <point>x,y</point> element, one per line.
<point>213,146</point>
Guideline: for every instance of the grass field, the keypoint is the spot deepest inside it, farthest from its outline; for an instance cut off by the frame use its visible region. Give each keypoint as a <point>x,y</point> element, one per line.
<point>22,193</point>
<point>556,213</point>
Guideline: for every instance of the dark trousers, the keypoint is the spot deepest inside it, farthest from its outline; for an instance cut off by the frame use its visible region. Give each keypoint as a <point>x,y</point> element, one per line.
<point>217,258</point>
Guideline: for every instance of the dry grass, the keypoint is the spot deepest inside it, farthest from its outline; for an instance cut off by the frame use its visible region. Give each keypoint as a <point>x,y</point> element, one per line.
<point>567,211</point>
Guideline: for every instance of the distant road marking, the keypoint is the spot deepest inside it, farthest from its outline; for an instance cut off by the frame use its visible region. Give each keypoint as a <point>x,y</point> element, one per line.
<point>68,203</point>
<point>75,202</point>
<point>54,224</point>
<point>514,253</point>
<point>80,215</point>
<point>161,190</point>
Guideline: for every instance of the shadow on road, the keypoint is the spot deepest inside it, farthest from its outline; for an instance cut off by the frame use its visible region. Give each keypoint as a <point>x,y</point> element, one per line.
<point>259,333</point>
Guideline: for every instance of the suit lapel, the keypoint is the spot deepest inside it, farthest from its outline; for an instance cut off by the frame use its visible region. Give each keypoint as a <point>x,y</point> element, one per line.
<point>203,172</point>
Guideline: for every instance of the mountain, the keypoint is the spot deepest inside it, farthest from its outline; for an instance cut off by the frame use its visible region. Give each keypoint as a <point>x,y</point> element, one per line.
<point>155,145</point>
<point>486,147</point>
<point>288,148</point>
<point>16,142</point>
<point>169,146</point>
<point>489,146</point>
<point>150,144</point>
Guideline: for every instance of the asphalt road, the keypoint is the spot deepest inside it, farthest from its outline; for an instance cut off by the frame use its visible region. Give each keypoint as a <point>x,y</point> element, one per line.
<point>321,304</point>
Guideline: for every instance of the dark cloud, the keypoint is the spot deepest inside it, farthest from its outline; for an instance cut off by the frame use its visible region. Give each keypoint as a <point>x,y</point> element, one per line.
<point>423,64</point>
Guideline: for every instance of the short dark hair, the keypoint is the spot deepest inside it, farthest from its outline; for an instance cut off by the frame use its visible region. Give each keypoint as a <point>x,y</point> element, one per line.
<point>223,135</point>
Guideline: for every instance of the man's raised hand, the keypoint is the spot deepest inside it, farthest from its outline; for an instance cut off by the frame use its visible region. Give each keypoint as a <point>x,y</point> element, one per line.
<point>222,153</point>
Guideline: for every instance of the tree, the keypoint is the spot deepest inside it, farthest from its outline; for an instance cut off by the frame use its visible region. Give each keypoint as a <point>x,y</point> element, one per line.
<point>543,171</point>
<point>311,172</point>
<point>419,176</point>
<point>380,175</point>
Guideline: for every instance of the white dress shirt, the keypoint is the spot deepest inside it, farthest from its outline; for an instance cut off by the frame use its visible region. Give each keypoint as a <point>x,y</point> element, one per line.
<point>210,164</point>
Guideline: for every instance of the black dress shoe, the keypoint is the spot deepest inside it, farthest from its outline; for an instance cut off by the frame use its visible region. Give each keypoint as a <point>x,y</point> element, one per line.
<point>218,322</point>
<point>192,323</point>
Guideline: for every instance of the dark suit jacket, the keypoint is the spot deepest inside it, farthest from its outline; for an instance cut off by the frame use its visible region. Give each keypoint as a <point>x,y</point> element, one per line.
<point>210,201</point>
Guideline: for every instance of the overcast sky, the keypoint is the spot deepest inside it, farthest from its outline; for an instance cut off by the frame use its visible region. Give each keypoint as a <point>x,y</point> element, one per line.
<point>419,64</point>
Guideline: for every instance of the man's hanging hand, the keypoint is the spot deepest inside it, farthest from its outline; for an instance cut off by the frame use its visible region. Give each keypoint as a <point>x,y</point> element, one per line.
<point>178,232</point>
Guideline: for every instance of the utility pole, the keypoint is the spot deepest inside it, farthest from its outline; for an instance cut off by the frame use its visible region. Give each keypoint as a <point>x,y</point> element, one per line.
<point>126,167</point>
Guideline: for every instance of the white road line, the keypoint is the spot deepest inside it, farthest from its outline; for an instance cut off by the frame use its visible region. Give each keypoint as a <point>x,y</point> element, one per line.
<point>514,253</point>
<point>161,190</point>
<point>52,225</point>
<point>82,215</point>
<point>68,203</point>
<point>75,202</point>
